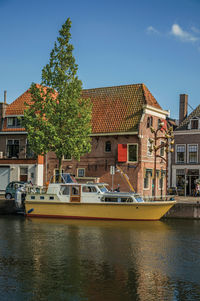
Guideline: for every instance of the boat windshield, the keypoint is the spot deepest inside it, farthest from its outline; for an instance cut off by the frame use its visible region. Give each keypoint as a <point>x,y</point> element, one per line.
<point>102,188</point>
<point>138,198</point>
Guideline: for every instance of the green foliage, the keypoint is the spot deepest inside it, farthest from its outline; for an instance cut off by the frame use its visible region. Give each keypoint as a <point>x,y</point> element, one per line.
<point>59,119</point>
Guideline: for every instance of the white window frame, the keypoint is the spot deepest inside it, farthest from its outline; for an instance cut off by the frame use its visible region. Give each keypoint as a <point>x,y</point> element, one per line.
<point>129,144</point>
<point>149,154</point>
<point>67,159</point>
<point>14,124</point>
<point>190,123</point>
<point>188,153</point>
<point>78,169</point>
<point>184,154</point>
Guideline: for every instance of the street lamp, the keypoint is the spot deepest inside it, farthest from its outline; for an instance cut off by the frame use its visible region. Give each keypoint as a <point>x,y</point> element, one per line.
<point>167,145</point>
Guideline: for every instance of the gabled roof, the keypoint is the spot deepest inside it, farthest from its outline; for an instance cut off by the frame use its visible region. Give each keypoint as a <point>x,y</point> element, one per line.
<point>17,107</point>
<point>115,109</point>
<point>119,108</point>
<point>184,124</point>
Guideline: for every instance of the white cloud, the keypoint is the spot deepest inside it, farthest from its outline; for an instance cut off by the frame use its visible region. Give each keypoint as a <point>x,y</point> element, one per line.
<point>184,36</point>
<point>151,29</point>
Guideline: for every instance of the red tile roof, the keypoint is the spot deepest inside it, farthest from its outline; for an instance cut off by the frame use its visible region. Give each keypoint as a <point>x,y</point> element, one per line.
<point>115,109</point>
<point>119,108</point>
<point>17,107</point>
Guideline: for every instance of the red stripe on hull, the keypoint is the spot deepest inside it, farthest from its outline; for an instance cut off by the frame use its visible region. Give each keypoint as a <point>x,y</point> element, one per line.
<point>86,218</point>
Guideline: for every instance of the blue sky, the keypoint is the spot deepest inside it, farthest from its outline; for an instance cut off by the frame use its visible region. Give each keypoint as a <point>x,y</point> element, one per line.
<point>155,42</point>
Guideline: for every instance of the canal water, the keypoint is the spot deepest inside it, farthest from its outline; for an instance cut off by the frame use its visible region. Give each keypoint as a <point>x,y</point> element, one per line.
<point>46,259</point>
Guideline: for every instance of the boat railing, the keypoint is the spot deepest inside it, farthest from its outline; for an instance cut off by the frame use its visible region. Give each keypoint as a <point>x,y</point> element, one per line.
<point>35,189</point>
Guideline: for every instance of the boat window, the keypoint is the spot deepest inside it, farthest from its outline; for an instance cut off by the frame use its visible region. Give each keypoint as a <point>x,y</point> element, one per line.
<point>51,197</point>
<point>89,189</point>
<point>110,199</point>
<point>75,190</point>
<point>32,197</point>
<point>64,190</point>
<point>41,197</point>
<point>139,199</point>
<point>103,188</point>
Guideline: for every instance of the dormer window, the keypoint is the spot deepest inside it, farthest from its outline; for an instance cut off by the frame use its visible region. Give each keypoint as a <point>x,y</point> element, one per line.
<point>194,124</point>
<point>13,122</point>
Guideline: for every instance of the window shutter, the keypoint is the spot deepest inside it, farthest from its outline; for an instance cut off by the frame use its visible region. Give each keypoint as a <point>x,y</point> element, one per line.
<point>122,152</point>
<point>164,127</point>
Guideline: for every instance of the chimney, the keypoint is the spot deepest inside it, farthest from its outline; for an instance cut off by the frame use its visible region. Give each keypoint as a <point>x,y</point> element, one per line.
<point>3,106</point>
<point>5,96</point>
<point>183,108</point>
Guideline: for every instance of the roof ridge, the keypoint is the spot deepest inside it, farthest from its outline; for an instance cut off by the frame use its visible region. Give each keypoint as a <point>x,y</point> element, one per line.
<point>105,87</point>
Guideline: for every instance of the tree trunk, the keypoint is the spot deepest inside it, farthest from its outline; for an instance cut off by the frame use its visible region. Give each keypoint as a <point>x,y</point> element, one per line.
<point>60,169</point>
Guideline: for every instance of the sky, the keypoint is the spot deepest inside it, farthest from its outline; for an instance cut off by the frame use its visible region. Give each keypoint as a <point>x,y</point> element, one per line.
<point>155,42</point>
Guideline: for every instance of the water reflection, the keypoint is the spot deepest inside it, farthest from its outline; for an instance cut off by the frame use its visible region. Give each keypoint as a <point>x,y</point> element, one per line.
<point>48,259</point>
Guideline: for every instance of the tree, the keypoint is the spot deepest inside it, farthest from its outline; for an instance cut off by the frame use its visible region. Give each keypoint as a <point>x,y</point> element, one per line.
<point>58,119</point>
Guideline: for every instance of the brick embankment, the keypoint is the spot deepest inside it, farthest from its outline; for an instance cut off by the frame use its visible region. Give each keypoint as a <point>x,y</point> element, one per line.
<point>186,207</point>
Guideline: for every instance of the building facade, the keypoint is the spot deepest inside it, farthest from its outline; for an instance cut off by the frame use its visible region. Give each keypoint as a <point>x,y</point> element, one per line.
<point>185,168</point>
<point>17,162</point>
<point>122,117</point>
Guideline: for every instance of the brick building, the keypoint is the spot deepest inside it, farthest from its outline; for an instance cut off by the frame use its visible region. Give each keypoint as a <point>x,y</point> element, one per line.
<point>121,120</point>
<point>185,167</point>
<point>17,162</point>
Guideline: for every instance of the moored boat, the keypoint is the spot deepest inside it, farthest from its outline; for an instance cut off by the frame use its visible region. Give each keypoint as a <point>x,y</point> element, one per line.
<point>91,201</point>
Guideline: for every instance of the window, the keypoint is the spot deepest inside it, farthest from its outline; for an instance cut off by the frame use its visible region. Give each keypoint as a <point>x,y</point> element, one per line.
<point>149,122</point>
<point>192,153</point>
<point>13,122</point>
<point>89,189</point>
<point>159,122</point>
<point>64,190</point>
<point>24,174</point>
<point>162,149</point>
<point>146,182</point>
<point>132,152</point>
<point>149,147</point>
<point>148,174</point>
<point>67,157</point>
<point>13,148</point>
<point>108,147</point>
<point>194,124</point>
<point>75,190</point>
<point>81,172</point>
<point>180,178</point>
<point>180,153</point>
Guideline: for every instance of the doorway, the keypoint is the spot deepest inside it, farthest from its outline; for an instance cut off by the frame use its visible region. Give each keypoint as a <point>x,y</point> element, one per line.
<point>192,176</point>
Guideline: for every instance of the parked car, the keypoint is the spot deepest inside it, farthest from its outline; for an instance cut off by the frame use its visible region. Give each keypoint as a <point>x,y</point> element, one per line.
<point>11,189</point>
